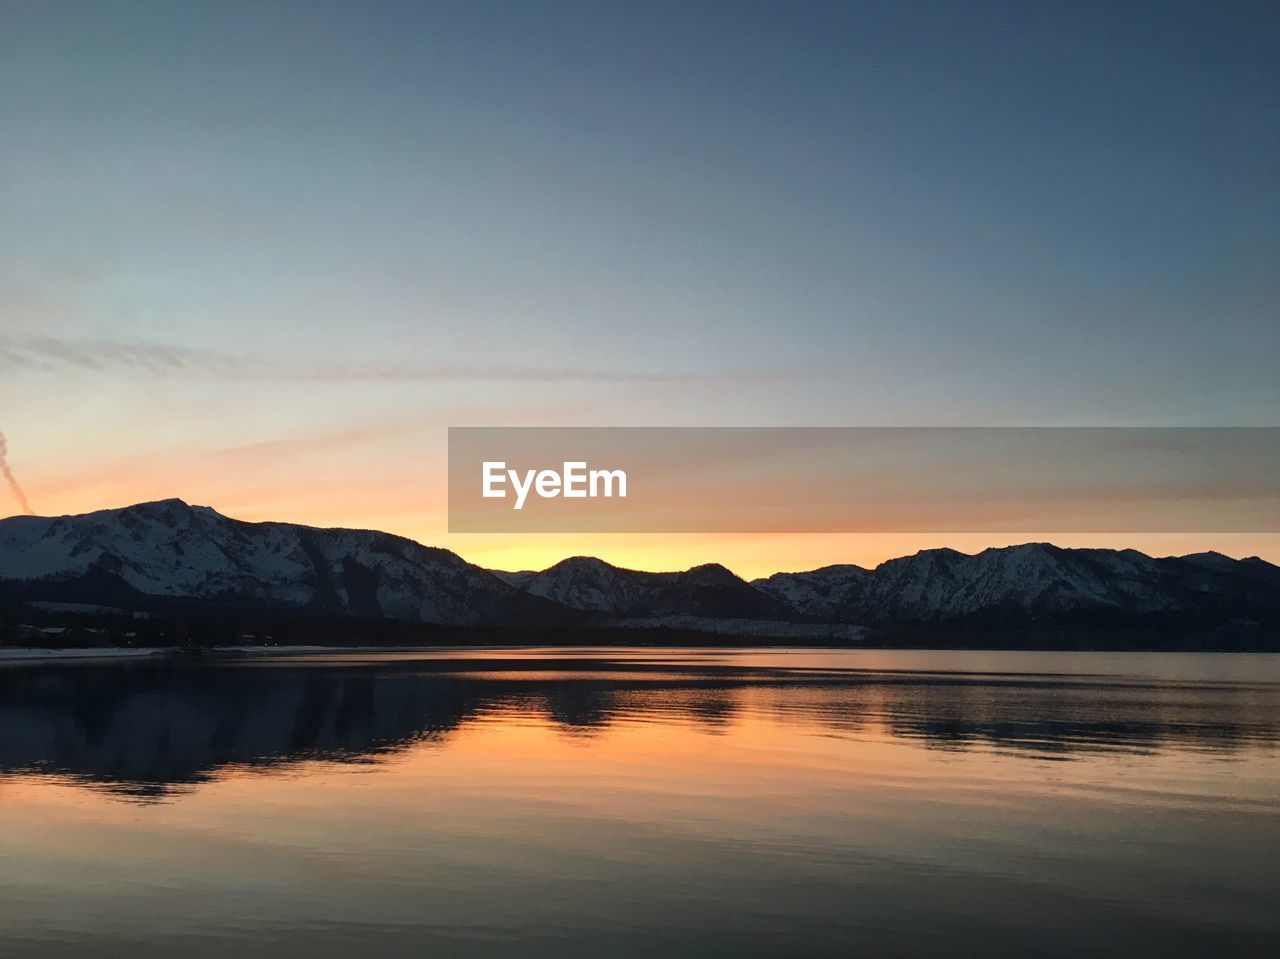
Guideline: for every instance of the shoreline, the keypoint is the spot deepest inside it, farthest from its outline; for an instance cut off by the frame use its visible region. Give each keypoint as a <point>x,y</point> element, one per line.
<point>110,654</point>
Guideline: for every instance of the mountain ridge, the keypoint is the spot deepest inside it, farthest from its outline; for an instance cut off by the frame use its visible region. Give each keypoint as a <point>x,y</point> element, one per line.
<point>168,550</point>
<point>167,554</point>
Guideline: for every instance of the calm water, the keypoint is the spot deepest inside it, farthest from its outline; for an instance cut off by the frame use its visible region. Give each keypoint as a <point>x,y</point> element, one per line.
<point>615,803</point>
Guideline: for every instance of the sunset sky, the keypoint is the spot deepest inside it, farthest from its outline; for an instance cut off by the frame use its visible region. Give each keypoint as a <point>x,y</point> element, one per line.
<point>260,256</point>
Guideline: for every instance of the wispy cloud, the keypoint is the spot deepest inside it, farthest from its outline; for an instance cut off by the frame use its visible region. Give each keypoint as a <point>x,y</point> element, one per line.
<point>143,358</point>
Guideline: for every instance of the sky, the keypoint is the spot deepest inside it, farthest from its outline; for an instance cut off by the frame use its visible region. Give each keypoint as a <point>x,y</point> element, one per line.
<point>261,256</point>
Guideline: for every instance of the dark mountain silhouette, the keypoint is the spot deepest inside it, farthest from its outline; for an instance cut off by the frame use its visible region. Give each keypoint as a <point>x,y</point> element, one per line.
<point>1035,581</point>
<point>171,559</point>
<point>592,585</point>
<point>170,556</point>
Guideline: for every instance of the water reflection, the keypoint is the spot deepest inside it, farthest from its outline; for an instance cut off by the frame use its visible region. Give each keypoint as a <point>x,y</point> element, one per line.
<point>145,730</point>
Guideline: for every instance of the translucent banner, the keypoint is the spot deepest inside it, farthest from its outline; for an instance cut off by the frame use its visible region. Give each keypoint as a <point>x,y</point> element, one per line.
<point>864,479</point>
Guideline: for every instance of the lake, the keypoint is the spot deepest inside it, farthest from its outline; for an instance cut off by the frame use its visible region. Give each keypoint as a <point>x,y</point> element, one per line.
<point>622,802</point>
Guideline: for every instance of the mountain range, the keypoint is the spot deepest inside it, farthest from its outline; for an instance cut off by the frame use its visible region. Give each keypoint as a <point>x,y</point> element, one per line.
<point>168,558</point>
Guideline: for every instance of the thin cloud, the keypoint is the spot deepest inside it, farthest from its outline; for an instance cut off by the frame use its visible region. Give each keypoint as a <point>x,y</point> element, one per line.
<point>150,359</point>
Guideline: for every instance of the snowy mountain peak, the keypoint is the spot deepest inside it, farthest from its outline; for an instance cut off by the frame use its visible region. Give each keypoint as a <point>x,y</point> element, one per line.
<point>592,585</point>
<point>172,553</point>
<point>1029,580</point>
<point>173,503</point>
<point>168,554</point>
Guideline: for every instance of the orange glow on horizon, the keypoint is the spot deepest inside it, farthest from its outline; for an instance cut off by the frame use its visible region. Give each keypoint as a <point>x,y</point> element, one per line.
<point>415,511</point>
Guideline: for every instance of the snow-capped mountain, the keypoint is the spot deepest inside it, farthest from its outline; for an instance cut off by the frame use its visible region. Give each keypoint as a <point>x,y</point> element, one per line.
<point>594,586</point>
<point>167,552</point>
<point>1032,581</point>
<point>170,556</point>
<point>822,593</point>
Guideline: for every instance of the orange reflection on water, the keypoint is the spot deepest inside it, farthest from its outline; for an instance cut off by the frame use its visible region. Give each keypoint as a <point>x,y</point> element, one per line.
<point>480,802</point>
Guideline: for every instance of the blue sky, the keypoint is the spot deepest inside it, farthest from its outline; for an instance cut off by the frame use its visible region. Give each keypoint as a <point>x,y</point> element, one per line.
<point>686,213</point>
